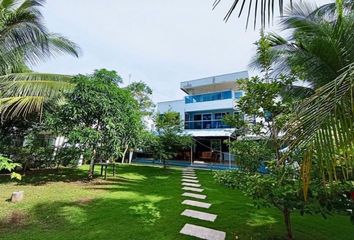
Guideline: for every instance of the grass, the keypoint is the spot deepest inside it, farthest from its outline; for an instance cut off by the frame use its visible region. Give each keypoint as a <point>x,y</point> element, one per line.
<point>140,203</point>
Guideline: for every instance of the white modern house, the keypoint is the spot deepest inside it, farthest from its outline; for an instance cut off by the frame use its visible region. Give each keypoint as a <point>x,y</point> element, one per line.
<point>206,102</point>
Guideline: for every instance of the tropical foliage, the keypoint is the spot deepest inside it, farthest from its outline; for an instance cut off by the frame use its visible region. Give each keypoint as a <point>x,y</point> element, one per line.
<point>99,116</point>
<point>316,169</point>
<point>323,122</point>
<point>25,41</point>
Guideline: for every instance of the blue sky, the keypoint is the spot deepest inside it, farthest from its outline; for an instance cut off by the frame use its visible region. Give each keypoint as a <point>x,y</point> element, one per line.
<point>161,42</point>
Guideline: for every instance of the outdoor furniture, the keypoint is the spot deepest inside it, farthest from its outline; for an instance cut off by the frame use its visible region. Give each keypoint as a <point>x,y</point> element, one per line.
<point>104,167</point>
<point>206,156</point>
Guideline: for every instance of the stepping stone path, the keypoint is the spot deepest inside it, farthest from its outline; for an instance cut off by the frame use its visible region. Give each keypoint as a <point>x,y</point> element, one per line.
<point>190,183</point>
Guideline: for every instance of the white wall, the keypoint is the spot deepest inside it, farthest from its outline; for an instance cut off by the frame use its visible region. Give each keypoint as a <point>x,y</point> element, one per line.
<point>211,105</point>
<point>175,106</point>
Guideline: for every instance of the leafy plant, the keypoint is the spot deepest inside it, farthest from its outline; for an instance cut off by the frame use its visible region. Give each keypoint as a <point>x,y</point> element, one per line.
<point>7,164</point>
<point>250,154</point>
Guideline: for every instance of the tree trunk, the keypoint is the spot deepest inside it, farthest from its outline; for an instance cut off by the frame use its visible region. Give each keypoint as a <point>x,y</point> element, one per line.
<point>124,153</point>
<point>92,162</point>
<point>287,222</point>
<point>131,156</point>
<point>164,163</point>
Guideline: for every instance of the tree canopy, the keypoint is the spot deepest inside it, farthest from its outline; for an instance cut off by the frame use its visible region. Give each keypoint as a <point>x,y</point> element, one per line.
<point>99,115</point>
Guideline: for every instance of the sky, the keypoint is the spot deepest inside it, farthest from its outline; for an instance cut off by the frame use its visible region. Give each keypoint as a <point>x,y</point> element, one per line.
<point>160,42</point>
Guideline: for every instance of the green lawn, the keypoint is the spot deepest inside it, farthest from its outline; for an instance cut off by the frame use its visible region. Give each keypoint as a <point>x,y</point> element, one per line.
<point>141,203</point>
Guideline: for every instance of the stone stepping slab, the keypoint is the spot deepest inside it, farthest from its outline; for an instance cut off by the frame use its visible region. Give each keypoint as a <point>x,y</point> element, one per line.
<point>189,177</point>
<point>193,189</point>
<point>189,174</point>
<point>191,184</point>
<point>194,195</point>
<point>189,180</point>
<point>202,232</point>
<point>196,204</point>
<point>199,215</point>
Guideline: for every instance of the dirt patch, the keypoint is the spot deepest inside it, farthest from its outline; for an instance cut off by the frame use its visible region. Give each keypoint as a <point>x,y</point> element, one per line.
<point>14,220</point>
<point>84,201</point>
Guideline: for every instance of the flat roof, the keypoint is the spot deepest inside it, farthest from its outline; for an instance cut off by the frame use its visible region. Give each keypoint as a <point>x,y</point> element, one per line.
<point>218,79</point>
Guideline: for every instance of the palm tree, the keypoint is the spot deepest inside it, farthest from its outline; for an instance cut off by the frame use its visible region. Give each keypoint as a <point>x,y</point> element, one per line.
<point>320,51</point>
<point>25,41</point>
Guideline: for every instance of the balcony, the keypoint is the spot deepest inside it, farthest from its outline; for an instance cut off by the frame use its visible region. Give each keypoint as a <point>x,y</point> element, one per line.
<point>208,97</point>
<point>205,124</point>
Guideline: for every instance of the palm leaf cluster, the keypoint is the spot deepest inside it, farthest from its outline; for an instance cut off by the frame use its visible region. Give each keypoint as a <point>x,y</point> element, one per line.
<point>261,9</point>
<point>25,41</point>
<point>25,93</point>
<point>320,51</point>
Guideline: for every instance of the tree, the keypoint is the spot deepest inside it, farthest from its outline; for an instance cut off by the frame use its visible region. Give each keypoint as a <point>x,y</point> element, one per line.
<point>142,93</point>
<point>266,98</point>
<point>170,138</point>
<point>24,40</point>
<point>99,116</point>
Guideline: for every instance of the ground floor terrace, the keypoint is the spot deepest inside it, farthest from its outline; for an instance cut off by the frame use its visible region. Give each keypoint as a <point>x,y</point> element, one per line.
<point>143,203</point>
<point>206,152</point>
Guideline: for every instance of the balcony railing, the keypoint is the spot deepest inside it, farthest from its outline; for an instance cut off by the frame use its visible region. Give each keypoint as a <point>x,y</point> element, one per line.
<point>205,124</point>
<point>208,97</point>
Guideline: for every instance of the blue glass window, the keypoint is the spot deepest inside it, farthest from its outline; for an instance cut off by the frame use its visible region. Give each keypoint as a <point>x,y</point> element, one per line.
<point>238,95</point>
<point>209,97</point>
<point>205,120</point>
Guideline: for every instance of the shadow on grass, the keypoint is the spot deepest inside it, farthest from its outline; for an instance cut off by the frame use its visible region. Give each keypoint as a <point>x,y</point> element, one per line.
<point>136,203</point>
<point>44,176</point>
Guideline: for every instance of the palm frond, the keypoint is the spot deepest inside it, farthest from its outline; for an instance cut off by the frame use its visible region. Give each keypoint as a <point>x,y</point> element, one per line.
<point>31,90</point>
<point>323,124</point>
<point>263,9</point>
<point>20,106</point>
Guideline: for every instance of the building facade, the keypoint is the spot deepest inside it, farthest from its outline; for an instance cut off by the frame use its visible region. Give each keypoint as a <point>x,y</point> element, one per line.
<point>207,101</point>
